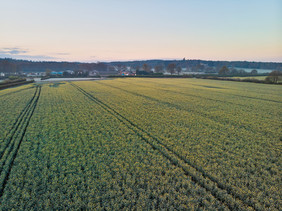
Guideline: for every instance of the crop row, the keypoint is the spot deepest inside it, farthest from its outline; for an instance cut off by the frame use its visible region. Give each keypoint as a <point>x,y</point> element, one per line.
<point>77,155</point>
<point>223,193</point>
<point>12,104</point>
<point>245,160</point>
<point>10,91</point>
<point>203,113</point>
<point>249,91</point>
<point>13,140</point>
<point>219,106</point>
<point>238,132</point>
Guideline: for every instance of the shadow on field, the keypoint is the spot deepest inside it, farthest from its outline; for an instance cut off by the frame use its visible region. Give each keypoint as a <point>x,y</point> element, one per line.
<point>56,84</point>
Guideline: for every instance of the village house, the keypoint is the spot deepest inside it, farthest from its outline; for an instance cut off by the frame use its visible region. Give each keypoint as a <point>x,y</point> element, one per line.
<point>93,73</point>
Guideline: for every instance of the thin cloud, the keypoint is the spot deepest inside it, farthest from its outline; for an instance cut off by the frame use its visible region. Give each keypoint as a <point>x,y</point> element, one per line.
<point>29,57</point>
<point>25,54</point>
<point>62,54</point>
<point>13,51</point>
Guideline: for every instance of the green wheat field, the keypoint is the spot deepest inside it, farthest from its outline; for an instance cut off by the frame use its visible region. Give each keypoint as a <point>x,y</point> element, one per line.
<point>141,144</point>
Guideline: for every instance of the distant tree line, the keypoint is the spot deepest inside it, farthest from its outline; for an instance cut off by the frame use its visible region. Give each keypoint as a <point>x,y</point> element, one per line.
<point>12,65</point>
<point>232,71</point>
<point>202,65</point>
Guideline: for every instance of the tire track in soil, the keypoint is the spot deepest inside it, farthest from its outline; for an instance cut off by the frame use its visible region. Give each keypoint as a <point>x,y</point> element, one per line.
<point>16,124</point>
<point>16,91</point>
<point>199,113</point>
<point>250,108</point>
<point>223,193</point>
<point>16,139</point>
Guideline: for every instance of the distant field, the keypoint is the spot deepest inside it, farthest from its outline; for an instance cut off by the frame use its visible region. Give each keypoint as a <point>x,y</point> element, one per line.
<point>251,77</point>
<point>141,144</point>
<point>248,70</point>
<point>257,77</point>
<point>69,79</point>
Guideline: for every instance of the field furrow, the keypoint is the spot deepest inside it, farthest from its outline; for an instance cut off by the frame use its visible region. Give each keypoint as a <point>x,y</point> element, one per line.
<point>13,142</point>
<point>91,153</point>
<point>20,89</point>
<point>196,173</point>
<point>214,147</point>
<point>216,119</point>
<point>141,143</point>
<point>15,126</point>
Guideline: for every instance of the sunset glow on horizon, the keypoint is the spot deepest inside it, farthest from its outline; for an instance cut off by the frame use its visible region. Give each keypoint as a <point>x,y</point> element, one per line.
<point>91,31</point>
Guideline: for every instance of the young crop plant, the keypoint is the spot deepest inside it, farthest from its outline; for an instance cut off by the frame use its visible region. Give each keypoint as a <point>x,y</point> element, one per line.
<point>141,143</point>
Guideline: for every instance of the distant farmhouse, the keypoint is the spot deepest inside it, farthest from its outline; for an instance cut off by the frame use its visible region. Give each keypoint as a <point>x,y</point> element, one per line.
<point>35,74</point>
<point>56,73</point>
<point>70,72</point>
<point>93,73</point>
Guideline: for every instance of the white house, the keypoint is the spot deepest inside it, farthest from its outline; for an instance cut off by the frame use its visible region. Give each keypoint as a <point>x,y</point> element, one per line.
<point>93,73</point>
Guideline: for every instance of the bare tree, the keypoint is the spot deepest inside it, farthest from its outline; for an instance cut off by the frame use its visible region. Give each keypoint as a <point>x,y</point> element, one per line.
<point>146,67</point>
<point>224,71</point>
<point>159,68</point>
<point>254,72</point>
<point>178,70</point>
<point>274,76</point>
<point>171,68</point>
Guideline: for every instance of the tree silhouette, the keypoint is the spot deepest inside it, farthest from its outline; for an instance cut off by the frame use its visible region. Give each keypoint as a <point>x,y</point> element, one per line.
<point>274,76</point>
<point>171,68</point>
<point>159,68</point>
<point>178,70</point>
<point>224,71</point>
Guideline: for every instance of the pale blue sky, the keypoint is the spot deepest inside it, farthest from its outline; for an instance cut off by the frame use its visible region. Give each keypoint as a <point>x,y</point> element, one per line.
<point>107,30</point>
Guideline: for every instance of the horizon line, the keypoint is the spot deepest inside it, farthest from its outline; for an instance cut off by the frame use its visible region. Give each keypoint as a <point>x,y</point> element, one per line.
<point>137,60</point>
